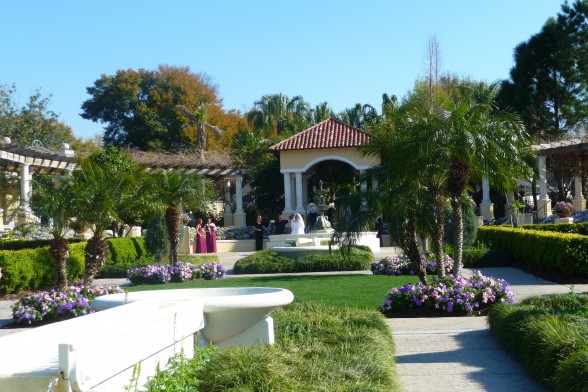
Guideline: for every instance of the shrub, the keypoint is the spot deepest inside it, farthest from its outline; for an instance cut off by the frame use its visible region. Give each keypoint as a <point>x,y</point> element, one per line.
<point>548,337</point>
<point>481,257</point>
<point>125,249</point>
<point>403,266</point>
<point>450,294</point>
<point>470,226</point>
<point>268,261</point>
<point>570,228</point>
<point>56,305</point>
<point>550,251</point>
<point>157,238</point>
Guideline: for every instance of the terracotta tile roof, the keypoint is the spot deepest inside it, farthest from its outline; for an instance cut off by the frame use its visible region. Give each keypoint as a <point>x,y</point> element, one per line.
<point>331,133</point>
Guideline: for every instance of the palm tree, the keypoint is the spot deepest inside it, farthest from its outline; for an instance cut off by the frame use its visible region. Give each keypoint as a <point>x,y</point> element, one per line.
<point>477,140</point>
<point>95,194</point>
<point>277,114</point>
<point>360,116</point>
<point>52,198</point>
<point>198,118</point>
<point>321,112</point>
<point>172,191</point>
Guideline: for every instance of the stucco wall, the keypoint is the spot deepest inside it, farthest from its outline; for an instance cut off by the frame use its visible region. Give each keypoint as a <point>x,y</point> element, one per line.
<point>304,159</point>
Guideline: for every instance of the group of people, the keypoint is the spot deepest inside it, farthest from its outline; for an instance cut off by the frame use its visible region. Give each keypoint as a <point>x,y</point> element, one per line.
<point>205,238</point>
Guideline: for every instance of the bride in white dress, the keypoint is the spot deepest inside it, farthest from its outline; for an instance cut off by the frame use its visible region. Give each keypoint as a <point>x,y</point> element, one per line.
<point>297,224</point>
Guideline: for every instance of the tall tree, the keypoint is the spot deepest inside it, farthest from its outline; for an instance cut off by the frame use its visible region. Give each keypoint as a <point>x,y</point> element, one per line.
<point>278,114</point>
<point>360,116</point>
<point>33,121</point>
<point>548,85</point>
<point>145,109</point>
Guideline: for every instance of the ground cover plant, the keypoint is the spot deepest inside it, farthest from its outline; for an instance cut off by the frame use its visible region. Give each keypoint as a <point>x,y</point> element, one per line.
<point>178,272</point>
<point>268,262</point>
<point>456,295</point>
<point>401,265</point>
<point>549,336</point>
<point>356,291</point>
<point>317,348</point>
<point>57,305</point>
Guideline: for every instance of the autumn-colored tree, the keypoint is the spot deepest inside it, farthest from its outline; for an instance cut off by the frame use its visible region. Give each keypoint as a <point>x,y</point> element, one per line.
<point>150,109</point>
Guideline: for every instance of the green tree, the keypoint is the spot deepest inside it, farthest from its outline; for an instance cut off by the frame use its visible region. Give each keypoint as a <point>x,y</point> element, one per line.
<point>278,114</point>
<point>33,121</point>
<point>172,191</point>
<point>146,109</point>
<point>360,116</point>
<point>548,84</point>
<point>52,198</point>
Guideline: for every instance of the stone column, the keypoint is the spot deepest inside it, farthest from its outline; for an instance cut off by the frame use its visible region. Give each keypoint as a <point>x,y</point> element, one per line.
<point>486,206</point>
<point>544,203</point>
<point>239,216</point>
<point>299,204</point>
<point>287,195</point>
<point>228,216</point>
<point>509,202</point>
<point>24,215</point>
<point>579,201</point>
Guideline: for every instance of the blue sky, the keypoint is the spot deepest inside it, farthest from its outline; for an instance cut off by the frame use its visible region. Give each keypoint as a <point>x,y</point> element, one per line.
<point>343,52</point>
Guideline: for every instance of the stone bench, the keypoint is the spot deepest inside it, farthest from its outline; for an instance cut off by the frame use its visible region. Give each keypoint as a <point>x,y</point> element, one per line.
<point>99,352</point>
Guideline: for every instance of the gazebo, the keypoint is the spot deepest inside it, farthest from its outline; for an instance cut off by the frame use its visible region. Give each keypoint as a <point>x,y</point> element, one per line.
<point>329,140</point>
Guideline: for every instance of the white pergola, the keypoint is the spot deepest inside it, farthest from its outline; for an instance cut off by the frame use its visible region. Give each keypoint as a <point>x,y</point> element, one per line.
<point>544,202</point>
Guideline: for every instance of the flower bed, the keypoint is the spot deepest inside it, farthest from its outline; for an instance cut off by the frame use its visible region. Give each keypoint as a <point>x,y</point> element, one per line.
<point>57,305</point>
<point>451,294</point>
<point>180,272</point>
<point>402,265</point>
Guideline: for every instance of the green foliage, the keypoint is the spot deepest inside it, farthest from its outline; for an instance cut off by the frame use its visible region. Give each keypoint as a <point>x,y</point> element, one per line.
<point>318,348</point>
<point>31,244</point>
<point>481,257</point>
<point>157,238</point>
<point>550,251</point>
<point>470,227</point>
<point>570,228</point>
<point>546,338</point>
<point>33,269</point>
<point>125,250</point>
<point>268,262</point>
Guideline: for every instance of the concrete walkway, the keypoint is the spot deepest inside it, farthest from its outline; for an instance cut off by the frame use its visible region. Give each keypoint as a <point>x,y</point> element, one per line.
<point>436,354</point>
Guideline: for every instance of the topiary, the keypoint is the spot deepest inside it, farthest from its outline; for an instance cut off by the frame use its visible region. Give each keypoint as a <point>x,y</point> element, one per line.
<point>470,226</point>
<point>157,239</point>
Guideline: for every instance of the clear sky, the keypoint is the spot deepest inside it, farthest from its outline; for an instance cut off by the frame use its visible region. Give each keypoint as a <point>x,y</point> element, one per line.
<point>339,51</point>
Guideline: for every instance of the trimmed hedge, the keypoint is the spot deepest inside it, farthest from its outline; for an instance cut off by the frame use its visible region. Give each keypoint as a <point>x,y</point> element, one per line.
<point>550,251</point>
<point>32,244</point>
<point>269,262</point>
<point>570,228</point>
<point>551,344</point>
<point>33,268</point>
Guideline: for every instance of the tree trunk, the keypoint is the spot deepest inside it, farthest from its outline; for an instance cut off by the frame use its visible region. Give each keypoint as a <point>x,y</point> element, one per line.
<point>457,236</point>
<point>439,235</point>
<point>413,252</point>
<point>96,251</point>
<point>172,221</point>
<point>58,249</point>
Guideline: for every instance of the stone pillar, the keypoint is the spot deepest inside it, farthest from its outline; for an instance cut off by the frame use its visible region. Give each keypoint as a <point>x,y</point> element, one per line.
<point>486,206</point>
<point>24,215</point>
<point>544,203</point>
<point>304,192</point>
<point>508,211</point>
<point>239,216</point>
<point>228,215</point>
<point>579,201</point>
<point>287,195</point>
<point>299,204</point>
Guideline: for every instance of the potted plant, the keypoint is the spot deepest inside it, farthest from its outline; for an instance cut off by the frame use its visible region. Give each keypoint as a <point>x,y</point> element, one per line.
<point>563,209</point>
<point>79,227</point>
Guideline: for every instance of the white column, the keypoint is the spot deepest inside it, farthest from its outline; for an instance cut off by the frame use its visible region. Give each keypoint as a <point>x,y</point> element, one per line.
<point>486,206</point>
<point>239,216</point>
<point>544,203</point>
<point>25,186</point>
<point>579,201</point>
<point>287,194</point>
<point>299,204</point>
<point>228,216</point>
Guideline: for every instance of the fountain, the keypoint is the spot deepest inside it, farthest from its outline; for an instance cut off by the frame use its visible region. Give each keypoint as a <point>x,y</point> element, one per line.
<point>322,224</point>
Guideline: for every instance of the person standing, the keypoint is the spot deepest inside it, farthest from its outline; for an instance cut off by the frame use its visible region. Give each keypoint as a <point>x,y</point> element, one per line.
<point>200,238</point>
<point>210,236</point>
<point>298,224</point>
<point>380,230</point>
<point>281,225</point>
<point>258,228</point>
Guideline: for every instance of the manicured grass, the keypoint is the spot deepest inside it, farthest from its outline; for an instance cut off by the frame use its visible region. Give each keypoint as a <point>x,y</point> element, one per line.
<point>356,291</point>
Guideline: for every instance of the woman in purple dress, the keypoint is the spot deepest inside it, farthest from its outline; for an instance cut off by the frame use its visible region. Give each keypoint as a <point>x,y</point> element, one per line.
<point>210,236</point>
<point>200,237</point>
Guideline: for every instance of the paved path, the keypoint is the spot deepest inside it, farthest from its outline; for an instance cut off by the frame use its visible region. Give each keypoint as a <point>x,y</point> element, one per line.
<point>436,354</point>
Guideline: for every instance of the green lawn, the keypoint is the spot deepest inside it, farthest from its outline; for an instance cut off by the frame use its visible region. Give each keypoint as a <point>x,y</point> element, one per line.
<point>356,291</point>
